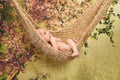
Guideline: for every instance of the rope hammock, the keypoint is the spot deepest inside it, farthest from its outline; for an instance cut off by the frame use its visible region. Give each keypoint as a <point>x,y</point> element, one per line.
<point>79,30</point>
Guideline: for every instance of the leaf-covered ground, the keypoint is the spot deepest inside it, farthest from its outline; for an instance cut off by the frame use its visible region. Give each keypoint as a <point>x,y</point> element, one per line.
<point>55,13</point>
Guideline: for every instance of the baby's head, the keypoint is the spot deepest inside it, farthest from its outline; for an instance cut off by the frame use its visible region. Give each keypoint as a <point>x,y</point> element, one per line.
<point>46,34</point>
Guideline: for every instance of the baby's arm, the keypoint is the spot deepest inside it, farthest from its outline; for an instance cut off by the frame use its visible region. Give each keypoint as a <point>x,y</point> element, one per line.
<point>53,42</point>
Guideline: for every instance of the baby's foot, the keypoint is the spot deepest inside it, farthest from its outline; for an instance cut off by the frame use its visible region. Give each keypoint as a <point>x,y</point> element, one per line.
<point>73,55</point>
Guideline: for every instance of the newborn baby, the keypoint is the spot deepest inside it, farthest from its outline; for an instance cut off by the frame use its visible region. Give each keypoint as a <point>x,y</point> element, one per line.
<point>57,43</point>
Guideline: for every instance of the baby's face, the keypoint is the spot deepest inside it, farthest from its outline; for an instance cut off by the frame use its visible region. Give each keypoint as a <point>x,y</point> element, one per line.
<point>45,34</point>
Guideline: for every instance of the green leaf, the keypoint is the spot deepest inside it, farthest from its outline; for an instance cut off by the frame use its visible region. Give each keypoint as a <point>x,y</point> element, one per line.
<point>3,77</point>
<point>86,44</point>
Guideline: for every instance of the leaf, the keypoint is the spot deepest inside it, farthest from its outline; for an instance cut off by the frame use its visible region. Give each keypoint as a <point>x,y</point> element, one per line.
<point>86,44</point>
<point>3,77</point>
<point>118,15</point>
<point>111,40</point>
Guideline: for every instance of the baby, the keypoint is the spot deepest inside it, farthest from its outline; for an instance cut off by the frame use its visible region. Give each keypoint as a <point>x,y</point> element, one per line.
<point>58,44</point>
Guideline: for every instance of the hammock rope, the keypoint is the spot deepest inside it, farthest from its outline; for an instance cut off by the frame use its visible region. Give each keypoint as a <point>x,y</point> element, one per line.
<point>78,30</point>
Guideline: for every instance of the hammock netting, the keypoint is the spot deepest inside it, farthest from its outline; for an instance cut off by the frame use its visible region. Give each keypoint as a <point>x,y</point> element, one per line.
<point>78,30</point>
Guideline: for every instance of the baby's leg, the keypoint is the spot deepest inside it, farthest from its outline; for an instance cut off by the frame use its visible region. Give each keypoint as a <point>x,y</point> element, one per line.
<point>63,46</point>
<point>73,46</point>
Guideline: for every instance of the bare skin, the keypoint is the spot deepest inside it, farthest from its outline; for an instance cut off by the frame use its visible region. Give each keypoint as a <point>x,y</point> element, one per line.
<point>57,43</point>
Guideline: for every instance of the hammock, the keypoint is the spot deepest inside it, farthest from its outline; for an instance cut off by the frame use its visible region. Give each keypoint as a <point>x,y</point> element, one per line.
<point>79,30</point>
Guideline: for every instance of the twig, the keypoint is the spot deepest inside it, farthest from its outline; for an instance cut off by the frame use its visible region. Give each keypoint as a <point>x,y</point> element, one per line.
<point>12,74</point>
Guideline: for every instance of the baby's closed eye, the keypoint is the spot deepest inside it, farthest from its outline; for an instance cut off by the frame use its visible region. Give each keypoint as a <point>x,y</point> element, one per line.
<point>44,32</point>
